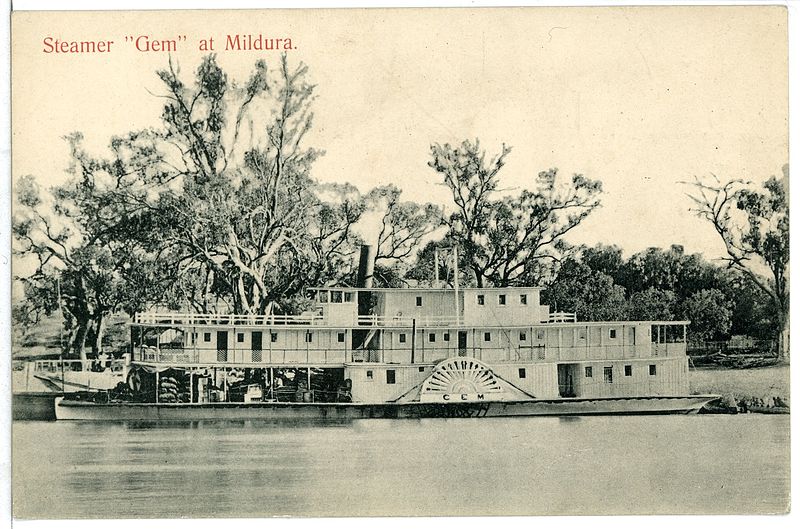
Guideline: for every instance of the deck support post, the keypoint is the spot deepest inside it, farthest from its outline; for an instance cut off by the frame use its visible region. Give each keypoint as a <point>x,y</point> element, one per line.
<point>413,338</point>
<point>157,383</point>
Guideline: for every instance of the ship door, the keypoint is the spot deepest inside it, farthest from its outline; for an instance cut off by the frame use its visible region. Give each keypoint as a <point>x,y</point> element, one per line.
<point>566,379</point>
<point>222,346</point>
<point>462,343</point>
<point>256,340</point>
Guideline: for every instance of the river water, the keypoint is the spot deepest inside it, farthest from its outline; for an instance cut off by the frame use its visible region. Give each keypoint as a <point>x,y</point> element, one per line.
<point>586,465</point>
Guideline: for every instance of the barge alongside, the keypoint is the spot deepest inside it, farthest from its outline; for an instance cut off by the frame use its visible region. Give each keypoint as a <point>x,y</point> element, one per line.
<point>397,353</point>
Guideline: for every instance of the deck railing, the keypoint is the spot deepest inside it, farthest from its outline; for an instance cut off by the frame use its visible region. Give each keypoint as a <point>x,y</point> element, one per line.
<point>270,320</point>
<point>562,317</point>
<point>316,355</point>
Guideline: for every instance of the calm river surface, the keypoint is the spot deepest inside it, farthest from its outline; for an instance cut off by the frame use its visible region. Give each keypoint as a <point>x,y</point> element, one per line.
<point>587,465</point>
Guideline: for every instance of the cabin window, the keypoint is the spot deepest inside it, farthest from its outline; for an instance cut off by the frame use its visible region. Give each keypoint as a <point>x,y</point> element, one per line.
<point>240,337</point>
<point>628,371</point>
<point>608,375</point>
<point>273,337</point>
<point>522,372</point>
<point>612,333</point>
<point>446,337</point>
<point>421,369</point>
<point>668,334</point>
<point>581,334</point>
<point>348,297</point>
<point>487,337</point>
<point>340,337</point>
<point>419,301</point>
<point>481,299</point>
<point>501,299</point>
<point>390,377</point>
<point>432,337</point>
<point>323,296</point>
<point>206,336</point>
<point>369,374</point>
<point>336,296</point>
<point>309,336</point>
<point>588,371</point>
<point>652,370</point>
<point>402,337</point>
<point>540,335</point>
<point>523,337</point>
<point>523,299</point>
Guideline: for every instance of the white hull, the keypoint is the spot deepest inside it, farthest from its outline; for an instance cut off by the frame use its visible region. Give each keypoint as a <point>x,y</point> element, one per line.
<point>77,410</point>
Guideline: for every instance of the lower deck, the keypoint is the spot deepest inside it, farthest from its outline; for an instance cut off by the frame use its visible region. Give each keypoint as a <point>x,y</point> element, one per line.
<point>366,382</point>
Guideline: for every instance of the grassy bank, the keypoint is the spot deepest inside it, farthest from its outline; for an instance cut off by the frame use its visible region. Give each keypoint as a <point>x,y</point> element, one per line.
<point>744,389</point>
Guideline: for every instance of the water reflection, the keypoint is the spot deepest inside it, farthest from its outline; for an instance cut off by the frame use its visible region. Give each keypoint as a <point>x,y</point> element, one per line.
<point>587,465</point>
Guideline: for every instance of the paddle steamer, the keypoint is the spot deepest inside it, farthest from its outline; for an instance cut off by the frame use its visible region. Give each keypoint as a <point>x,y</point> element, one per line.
<point>398,352</point>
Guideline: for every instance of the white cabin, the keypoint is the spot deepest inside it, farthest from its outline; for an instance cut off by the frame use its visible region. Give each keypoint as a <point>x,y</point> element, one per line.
<point>390,345</point>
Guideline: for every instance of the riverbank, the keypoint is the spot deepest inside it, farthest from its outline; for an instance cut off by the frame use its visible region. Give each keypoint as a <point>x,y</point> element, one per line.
<point>759,390</point>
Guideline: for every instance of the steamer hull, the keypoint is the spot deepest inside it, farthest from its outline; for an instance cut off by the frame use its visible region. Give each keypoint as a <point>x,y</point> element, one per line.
<point>78,410</point>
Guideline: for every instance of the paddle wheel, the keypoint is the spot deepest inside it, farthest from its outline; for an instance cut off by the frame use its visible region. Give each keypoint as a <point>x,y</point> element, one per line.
<point>461,379</point>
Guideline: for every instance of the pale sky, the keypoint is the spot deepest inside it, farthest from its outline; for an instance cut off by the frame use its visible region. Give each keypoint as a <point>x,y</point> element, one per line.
<point>640,98</point>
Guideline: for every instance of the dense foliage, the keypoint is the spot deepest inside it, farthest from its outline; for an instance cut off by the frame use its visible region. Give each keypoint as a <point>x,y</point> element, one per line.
<point>598,283</point>
<point>216,209</point>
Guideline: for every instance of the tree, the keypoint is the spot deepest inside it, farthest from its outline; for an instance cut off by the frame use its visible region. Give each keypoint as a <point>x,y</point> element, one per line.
<point>606,259</point>
<point>592,295</point>
<point>504,241</point>
<point>403,224</point>
<point>651,305</point>
<point>85,240</point>
<point>754,227</point>
<point>709,313</point>
<point>253,226</point>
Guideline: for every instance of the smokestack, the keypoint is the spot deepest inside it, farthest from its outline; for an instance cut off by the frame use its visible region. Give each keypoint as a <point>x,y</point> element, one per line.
<point>366,266</point>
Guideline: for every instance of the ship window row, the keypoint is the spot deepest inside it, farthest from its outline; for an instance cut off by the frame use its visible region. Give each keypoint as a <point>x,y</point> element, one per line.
<point>334,296</point>
<point>309,337</point>
<point>502,299</point>
<point>431,337</point>
<point>672,334</point>
<point>608,372</point>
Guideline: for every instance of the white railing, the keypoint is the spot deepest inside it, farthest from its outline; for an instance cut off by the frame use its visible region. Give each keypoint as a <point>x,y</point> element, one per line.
<point>186,319</point>
<point>404,321</point>
<point>56,366</point>
<point>177,318</point>
<point>562,317</point>
<point>269,320</point>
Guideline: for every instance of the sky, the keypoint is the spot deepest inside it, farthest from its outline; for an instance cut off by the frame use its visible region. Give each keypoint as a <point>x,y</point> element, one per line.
<point>639,98</point>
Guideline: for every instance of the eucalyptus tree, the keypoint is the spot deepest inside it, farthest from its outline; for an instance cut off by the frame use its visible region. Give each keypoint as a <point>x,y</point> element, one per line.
<point>753,225</point>
<point>505,240</point>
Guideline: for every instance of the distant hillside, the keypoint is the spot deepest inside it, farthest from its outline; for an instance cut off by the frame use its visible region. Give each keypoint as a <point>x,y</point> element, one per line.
<point>44,338</point>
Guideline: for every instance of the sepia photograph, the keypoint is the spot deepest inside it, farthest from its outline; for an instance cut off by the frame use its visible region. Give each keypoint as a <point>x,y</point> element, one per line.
<point>426,262</point>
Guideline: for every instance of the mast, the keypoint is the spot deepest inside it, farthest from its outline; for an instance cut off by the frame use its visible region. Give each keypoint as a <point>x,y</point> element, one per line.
<point>455,281</point>
<point>61,334</point>
<point>436,267</point>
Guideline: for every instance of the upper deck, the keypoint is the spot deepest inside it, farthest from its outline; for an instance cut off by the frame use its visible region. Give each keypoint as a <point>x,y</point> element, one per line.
<point>392,307</point>
<point>400,326</point>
